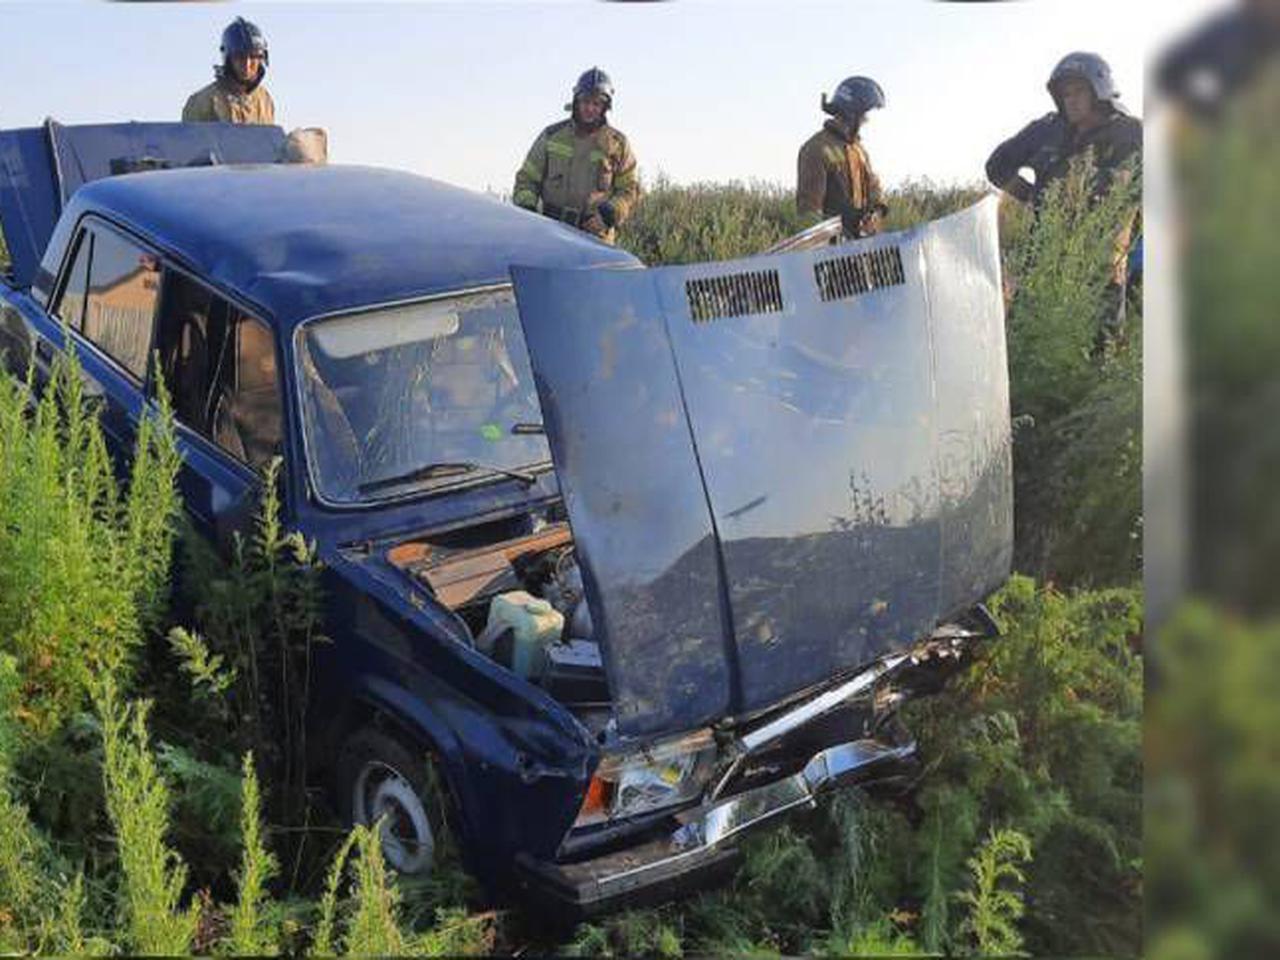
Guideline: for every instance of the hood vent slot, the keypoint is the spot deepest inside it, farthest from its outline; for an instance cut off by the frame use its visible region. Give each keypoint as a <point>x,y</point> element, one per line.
<point>734,295</point>
<point>859,273</point>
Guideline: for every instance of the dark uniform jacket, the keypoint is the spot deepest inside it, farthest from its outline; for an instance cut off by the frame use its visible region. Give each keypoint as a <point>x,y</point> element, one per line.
<point>572,173</point>
<point>1049,144</point>
<point>834,174</point>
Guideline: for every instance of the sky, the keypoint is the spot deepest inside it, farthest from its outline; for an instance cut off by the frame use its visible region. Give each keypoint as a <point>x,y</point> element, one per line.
<point>706,90</point>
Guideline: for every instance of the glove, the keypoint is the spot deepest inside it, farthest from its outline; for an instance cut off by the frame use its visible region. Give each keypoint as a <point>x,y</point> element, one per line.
<point>595,225</point>
<point>608,214</point>
<point>851,219</point>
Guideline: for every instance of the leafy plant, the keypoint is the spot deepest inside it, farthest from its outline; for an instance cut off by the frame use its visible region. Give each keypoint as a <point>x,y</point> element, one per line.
<point>83,564</point>
<point>258,616</point>
<point>152,874</point>
<point>252,932</point>
<point>995,900</point>
<point>1075,384</point>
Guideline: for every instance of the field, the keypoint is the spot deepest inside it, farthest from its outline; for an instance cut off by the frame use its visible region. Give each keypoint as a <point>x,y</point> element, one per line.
<point>125,830</point>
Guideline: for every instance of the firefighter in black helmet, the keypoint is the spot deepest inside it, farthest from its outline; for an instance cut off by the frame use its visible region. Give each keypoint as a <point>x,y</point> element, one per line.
<point>834,175</point>
<point>581,171</point>
<point>1089,119</point>
<point>1089,116</point>
<point>236,94</point>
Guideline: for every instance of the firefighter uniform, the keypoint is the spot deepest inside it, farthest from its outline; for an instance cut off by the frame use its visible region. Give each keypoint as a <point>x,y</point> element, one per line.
<point>224,100</point>
<point>570,172</point>
<point>1048,145</point>
<point>834,174</point>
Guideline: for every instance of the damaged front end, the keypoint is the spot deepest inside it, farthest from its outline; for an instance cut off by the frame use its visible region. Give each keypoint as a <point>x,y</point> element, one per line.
<point>664,818</point>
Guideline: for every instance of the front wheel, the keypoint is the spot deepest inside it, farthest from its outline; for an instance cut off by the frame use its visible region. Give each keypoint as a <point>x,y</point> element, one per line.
<point>381,779</point>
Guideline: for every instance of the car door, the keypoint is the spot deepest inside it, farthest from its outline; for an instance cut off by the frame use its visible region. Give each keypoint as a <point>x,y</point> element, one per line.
<point>218,365</point>
<point>107,300</point>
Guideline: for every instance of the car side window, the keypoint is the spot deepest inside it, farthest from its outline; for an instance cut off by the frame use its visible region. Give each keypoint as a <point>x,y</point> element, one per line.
<point>120,300</point>
<point>219,365</point>
<point>71,304</point>
<point>248,421</point>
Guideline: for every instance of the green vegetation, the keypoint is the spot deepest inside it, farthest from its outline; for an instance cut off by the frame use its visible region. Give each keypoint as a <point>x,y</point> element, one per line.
<point>1212,718</point>
<point>152,797</point>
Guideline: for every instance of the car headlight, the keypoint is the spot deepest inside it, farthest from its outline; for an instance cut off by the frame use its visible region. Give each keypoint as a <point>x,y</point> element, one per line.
<point>640,781</point>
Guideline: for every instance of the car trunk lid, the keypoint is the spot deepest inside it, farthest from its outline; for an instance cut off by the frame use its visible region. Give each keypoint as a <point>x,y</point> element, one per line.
<point>41,167</point>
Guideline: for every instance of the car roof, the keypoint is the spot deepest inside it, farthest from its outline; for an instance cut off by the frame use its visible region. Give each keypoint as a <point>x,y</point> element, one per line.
<point>301,241</point>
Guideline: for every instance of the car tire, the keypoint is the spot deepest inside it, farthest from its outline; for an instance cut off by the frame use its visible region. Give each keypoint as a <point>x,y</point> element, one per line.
<point>379,776</point>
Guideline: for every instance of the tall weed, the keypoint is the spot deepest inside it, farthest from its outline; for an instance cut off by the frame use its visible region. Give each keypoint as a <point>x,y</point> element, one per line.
<point>995,900</point>
<point>1075,386</point>
<point>252,931</point>
<point>258,617</point>
<point>152,873</point>
<point>83,565</point>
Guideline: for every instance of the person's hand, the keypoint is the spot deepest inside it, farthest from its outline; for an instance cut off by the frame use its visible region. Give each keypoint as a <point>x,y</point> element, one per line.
<point>1021,189</point>
<point>595,226</point>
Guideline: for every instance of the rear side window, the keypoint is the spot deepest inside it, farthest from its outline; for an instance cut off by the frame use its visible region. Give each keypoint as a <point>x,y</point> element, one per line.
<point>120,302</point>
<point>219,365</point>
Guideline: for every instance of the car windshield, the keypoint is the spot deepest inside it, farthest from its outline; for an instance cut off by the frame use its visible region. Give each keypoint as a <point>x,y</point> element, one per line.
<point>391,393</point>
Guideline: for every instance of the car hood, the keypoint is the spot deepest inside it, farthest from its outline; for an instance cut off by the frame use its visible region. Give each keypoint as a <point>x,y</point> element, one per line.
<point>777,469</point>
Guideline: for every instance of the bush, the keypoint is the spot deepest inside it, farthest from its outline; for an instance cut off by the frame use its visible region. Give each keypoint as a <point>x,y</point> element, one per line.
<point>83,564</point>
<point>1076,385</point>
<point>709,221</point>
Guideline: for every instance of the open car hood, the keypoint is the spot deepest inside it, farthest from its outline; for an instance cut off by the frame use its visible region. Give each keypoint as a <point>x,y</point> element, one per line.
<point>777,469</point>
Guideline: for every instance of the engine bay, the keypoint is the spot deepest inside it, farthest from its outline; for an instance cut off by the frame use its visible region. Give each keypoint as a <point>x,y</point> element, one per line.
<point>518,588</point>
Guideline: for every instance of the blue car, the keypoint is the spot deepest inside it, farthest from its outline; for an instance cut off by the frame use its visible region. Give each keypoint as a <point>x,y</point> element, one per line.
<point>628,561</point>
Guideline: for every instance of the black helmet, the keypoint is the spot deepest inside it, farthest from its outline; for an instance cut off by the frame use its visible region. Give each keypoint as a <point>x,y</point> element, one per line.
<point>594,81</point>
<point>242,38</point>
<point>1088,67</point>
<point>854,97</point>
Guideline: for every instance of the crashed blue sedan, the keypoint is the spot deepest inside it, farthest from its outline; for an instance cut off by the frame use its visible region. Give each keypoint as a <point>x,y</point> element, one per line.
<point>629,561</point>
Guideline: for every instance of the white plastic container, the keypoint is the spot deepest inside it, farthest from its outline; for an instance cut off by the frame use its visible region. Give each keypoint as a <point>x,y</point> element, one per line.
<point>534,623</point>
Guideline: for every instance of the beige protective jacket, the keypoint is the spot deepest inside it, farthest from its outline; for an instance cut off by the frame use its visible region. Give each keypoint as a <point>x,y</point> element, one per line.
<point>222,100</point>
<point>571,173</point>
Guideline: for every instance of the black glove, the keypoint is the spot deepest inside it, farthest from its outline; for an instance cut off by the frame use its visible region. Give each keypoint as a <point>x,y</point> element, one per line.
<point>851,221</point>
<point>608,214</point>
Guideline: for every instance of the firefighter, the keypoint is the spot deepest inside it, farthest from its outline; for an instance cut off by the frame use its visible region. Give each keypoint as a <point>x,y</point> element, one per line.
<point>1089,119</point>
<point>236,94</point>
<point>834,175</point>
<point>581,171</point>
<point>1089,116</point>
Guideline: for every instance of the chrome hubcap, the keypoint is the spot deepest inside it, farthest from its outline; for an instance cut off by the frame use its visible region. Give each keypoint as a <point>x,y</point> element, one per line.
<point>381,793</point>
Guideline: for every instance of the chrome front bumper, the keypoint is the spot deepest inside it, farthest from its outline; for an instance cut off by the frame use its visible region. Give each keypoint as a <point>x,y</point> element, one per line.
<point>699,844</point>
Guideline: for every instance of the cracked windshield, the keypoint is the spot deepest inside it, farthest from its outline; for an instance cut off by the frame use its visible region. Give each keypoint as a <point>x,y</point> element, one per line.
<point>406,398</point>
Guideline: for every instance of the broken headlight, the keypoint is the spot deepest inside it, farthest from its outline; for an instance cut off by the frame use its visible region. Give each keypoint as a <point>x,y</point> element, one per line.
<point>642,781</point>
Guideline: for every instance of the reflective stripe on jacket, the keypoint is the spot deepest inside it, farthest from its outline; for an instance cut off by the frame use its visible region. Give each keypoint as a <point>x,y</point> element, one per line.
<point>575,172</point>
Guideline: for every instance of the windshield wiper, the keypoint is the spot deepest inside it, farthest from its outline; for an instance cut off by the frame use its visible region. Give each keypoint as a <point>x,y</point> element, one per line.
<point>432,470</point>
